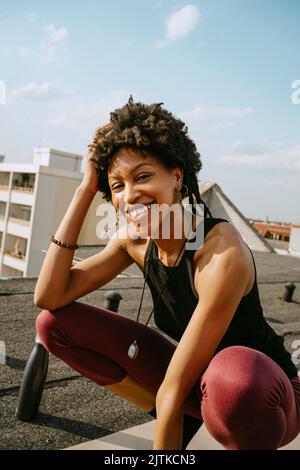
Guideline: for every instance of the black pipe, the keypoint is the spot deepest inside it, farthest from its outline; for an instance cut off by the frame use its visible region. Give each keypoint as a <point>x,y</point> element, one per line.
<point>288,292</point>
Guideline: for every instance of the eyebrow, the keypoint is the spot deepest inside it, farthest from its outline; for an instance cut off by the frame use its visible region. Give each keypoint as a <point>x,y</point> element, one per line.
<point>135,168</point>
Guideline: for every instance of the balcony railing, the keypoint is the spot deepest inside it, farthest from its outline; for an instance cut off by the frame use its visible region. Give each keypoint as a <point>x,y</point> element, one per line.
<point>19,221</point>
<point>14,255</point>
<point>23,188</point>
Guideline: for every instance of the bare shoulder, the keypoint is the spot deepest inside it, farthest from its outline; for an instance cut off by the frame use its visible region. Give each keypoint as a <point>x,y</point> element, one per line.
<point>222,233</point>
<point>135,248</point>
<point>224,241</point>
<point>226,231</point>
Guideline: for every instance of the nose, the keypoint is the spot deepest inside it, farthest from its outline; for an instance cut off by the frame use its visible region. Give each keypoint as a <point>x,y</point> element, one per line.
<point>127,197</point>
<point>130,194</point>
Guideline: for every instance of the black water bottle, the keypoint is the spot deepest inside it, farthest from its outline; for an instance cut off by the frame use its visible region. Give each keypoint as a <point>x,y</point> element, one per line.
<point>32,385</point>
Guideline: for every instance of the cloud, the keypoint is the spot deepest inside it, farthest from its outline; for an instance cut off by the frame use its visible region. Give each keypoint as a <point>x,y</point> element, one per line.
<point>262,156</point>
<point>58,121</point>
<point>56,35</point>
<point>99,110</point>
<point>37,92</point>
<point>201,111</point>
<point>71,122</point>
<point>213,119</point>
<point>83,117</point>
<point>53,45</point>
<point>160,44</point>
<point>220,127</point>
<point>179,24</point>
<point>290,183</point>
<point>74,119</point>
<point>31,17</point>
<point>24,52</point>
<point>182,22</point>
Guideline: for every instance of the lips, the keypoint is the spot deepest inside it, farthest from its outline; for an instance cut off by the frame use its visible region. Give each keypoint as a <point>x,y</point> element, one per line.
<point>141,211</point>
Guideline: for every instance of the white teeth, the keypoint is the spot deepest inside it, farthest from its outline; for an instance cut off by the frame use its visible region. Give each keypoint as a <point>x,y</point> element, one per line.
<point>135,212</point>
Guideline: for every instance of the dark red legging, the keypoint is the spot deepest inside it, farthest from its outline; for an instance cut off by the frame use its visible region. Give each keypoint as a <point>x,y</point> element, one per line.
<point>245,399</point>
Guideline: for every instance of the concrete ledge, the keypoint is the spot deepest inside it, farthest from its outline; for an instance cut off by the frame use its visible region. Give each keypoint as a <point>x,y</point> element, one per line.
<point>141,438</point>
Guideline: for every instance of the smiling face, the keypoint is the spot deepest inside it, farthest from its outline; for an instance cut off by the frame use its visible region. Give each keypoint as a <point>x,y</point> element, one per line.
<point>136,180</point>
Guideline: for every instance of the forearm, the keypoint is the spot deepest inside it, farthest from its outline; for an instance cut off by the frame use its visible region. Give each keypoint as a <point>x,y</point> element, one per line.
<point>169,428</point>
<point>55,273</point>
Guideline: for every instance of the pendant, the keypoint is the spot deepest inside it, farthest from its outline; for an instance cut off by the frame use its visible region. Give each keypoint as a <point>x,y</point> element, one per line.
<point>133,350</point>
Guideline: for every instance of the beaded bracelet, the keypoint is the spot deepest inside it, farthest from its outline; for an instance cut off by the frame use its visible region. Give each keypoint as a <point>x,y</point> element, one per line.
<point>64,245</point>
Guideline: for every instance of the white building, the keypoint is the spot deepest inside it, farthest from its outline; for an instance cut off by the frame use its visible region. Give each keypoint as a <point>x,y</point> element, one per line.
<point>294,244</point>
<point>33,201</point>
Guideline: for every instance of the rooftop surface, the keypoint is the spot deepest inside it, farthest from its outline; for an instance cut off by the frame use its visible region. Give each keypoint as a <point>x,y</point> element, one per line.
<point>75,410</point>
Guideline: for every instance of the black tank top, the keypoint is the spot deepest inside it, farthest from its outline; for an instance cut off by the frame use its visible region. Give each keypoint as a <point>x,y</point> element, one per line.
<point>179,300</point>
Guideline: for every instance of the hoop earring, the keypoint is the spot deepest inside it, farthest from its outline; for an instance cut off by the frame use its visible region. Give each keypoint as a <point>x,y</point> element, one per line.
<point>186,191</point>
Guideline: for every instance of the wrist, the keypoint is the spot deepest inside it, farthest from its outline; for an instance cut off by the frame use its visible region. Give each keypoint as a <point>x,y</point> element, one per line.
<point>85,189</point>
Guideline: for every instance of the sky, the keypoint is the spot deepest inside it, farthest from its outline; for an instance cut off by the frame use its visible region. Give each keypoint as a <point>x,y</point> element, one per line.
<point>229,69</point>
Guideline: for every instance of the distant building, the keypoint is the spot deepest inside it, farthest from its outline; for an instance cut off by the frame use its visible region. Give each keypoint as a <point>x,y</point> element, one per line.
<point>273,231</point>
<point>294,245</point>
<point>33,201</point>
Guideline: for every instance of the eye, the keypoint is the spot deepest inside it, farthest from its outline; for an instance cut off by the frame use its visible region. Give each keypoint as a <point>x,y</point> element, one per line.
<point>116,187</point>
<point>143,176</point>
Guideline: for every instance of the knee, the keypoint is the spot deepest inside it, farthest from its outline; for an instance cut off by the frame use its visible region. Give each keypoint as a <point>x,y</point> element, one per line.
<point>232,376</point>
<point>235,407</point>
<point>46,326</point>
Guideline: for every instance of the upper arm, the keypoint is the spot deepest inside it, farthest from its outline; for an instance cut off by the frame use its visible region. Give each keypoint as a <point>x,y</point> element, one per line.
<point>220,285</point>
<point>97,270</point>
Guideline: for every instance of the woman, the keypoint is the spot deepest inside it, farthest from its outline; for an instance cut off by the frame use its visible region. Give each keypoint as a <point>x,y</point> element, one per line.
<point>229,368</point>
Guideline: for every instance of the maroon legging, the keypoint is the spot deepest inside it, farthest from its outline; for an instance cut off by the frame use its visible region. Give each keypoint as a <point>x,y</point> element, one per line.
<point>245,399</point>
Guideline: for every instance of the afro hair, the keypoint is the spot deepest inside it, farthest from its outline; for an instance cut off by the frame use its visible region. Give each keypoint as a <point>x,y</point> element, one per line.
<point>152,129</point>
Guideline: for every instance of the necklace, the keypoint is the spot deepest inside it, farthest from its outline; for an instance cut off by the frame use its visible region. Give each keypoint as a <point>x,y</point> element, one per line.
<point>134,347</point>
